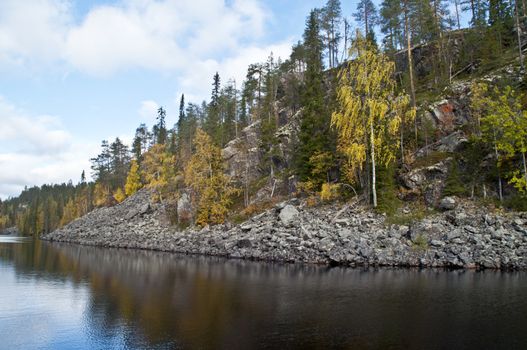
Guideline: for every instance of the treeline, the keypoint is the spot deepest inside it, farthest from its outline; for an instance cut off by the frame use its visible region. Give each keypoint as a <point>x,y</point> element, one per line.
<point>42,209</point>
<point>358,106</point>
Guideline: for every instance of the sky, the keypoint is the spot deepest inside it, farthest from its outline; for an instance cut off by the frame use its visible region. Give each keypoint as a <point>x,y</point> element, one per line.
<point>73,73</point>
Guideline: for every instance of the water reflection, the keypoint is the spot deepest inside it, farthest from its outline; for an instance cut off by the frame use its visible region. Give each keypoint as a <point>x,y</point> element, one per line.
<point>141,299</point>
<point>12,239</point>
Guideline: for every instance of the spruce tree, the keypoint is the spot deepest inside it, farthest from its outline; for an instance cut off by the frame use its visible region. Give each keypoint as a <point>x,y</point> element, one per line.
<point>314,136</point>
<point>160,134</point>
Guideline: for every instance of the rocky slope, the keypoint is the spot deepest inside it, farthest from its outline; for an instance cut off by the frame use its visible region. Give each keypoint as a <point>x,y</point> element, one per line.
<point>463,236</point>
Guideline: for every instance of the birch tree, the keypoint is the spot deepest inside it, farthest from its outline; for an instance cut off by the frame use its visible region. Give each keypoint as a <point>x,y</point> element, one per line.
<point>370,111</point>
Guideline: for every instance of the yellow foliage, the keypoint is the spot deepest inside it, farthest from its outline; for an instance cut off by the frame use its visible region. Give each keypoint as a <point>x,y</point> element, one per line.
<point>306,187</point>
<point>160,170</point>
<point>329,192</point>
<point>321,163</point>
<point>101,195</point>
<point>371,112</point>
<point>519,181</point>
<point>119,195</point>
<point>204,175</point>
<point>312,201</point>
<point>69,213</point>
<point>3,221</point>
<point>133,180</point>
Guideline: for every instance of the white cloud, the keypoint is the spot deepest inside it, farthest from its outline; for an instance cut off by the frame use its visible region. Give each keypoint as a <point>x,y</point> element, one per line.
<point>37,135</point>
<point>33,32</point>
<point>36,150</point>
<point>148,111</point>
<point>190,39</point>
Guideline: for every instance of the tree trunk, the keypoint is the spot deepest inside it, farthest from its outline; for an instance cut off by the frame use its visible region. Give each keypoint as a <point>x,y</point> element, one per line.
<point>402,142</point>
<point>373,179</point>
<point>366,21</point>
<point>524,167</point>
<point>500,188</point>
<point>518,33</point>
<point>456,3</point>
<point>235,110</point>
<point>410,63</point>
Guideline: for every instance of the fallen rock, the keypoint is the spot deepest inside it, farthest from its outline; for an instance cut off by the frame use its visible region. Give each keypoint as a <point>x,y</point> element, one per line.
<point>448,203</point>
<point>288,215</point>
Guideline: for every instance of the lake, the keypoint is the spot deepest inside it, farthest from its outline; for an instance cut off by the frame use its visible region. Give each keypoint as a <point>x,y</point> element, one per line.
<point>59,296</point>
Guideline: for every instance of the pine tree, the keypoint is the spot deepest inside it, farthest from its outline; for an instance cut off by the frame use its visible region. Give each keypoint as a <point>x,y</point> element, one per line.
<point>141,142</point>
<point>367,16</point>
<point>330,23</point>
<point>392,24</point>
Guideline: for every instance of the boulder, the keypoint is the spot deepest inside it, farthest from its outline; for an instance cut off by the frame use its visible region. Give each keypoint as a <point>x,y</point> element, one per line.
<point>288,215</point>
<point>184,209</point>
<point>448,203</point>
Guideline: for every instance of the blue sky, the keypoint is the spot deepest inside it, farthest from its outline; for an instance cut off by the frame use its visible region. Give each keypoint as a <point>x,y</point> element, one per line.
<point>76,72</point>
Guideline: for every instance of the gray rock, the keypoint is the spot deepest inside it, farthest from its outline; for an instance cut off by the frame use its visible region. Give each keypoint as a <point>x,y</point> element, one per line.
<point>288,215</point>
<point>437,243</point>
<point>310,236</point>
<point>244,243</point>
<point>448,203</point>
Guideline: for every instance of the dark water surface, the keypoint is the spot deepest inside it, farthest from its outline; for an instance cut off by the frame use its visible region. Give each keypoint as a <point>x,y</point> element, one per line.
<point>56,296</point>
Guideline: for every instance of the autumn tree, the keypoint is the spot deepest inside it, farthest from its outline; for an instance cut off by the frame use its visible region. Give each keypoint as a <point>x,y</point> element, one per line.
<point>370,111</point>
<point>506,125</point>
<point>159,169</point>
<point>133,180</point>
<point>211,191</point>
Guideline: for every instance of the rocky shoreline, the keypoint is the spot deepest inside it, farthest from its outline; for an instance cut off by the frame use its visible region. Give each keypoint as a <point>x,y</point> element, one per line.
<point>10,231</point>
<point>463,236</point>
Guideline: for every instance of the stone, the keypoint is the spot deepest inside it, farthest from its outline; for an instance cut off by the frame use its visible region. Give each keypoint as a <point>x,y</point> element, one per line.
<point>448,203</point>
<point>244,243</point>
<point>288,215</point>
<point>437,243</point>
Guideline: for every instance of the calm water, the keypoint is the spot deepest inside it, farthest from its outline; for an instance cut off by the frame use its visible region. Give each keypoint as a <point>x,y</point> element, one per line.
<point>70,297</point>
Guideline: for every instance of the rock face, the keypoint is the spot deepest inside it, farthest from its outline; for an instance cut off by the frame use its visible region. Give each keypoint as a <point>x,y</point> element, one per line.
<point>428,180</point>
<point>243,155</point>
<point>465,237</point>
